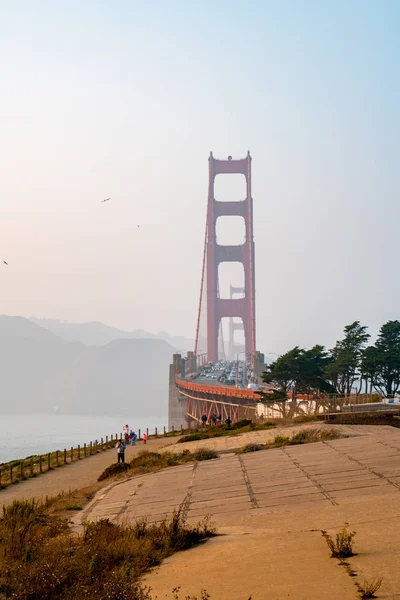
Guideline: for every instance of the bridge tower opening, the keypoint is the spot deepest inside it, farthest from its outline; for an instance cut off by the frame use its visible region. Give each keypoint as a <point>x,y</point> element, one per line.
<point>234,325</point>
<point>244,307</point>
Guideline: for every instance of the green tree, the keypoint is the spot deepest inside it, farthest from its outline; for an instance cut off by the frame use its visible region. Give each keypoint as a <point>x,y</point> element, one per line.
<point>312,366</point>
<point>283,373</point>
<point>343,368</point>
<point>387,377</point>
<point>369,367</point>
<point>298,371</point>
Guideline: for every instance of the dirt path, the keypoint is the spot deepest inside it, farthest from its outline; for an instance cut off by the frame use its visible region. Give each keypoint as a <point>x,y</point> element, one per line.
<point>80,474</point>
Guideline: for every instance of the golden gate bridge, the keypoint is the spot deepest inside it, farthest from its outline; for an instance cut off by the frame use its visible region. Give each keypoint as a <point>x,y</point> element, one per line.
<point>189,396</point>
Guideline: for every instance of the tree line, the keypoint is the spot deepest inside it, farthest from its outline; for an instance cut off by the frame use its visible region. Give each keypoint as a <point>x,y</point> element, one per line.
<point>350,366</point>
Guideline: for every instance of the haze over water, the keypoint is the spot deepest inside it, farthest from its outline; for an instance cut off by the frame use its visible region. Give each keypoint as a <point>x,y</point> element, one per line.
<point>26,435</point>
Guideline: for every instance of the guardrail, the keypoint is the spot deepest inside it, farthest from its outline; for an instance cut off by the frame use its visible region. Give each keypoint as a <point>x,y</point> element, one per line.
<point>217,390</point>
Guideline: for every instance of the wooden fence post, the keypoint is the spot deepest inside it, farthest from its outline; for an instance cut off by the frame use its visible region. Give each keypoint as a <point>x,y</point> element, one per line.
<point>84,450</point>
<point>90,448</point>
<point>147,432</point>
<point>173,430</point>
<point>57,457</point>
<point>164,430</point>
<point>181,427</point>
<point>139,435</point>
<point>72,454</point>
<point>106,442</point>
<point>65,456</point>
<point>48,462</point>
<point>31,468</point>
<point>156,434</point>
<point>79,451</point>
<point>11,473</point>
<point>102,444</point>
<point>40,464</point>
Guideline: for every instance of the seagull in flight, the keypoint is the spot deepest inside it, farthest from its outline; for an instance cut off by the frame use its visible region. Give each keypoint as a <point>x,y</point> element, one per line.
<point>5,262</point>
<point>106,200</point>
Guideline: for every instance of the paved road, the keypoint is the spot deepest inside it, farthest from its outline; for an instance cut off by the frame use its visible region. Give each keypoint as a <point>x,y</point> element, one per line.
<point>268,494</point>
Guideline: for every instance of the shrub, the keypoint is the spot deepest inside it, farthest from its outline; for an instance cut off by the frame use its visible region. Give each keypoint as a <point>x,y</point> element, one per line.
<point>250,448</point>
<point>241,423</point>
<point>147,459</point>
<point>204,454</point>
<point>300,438</point>
<point>104,562</point>
<point>113,469</point>
<point>369,588</point>
<point>281,440</point>
<point>193,437</point>
<point>342,545</point>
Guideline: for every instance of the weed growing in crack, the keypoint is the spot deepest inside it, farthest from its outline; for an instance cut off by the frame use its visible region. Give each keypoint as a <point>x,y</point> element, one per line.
<point>369,588</point>
<point>342,545</point>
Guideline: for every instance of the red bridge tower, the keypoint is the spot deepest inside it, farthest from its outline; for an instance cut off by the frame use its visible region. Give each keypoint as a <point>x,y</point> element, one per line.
<point>217,308</point>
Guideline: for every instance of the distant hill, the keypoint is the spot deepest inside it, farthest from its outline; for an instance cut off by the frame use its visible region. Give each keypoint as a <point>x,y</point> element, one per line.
<point>39,370</point>
<point>19,327</point>
<point>98,334</point>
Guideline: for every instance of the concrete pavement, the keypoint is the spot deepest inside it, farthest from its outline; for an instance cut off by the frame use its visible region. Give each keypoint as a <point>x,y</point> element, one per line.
<point>271,506</point>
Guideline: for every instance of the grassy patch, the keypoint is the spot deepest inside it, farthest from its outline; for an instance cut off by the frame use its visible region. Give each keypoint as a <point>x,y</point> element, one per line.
<point>114,469</point>
<point>242,426</point>
<point>145,461</point>
<point>306,436</point>
<point>250,448</point>
<point>41,559</point>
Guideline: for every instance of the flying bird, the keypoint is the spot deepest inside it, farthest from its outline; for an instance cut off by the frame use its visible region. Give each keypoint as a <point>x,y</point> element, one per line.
<point>6,263</point>
<point>106,200</point>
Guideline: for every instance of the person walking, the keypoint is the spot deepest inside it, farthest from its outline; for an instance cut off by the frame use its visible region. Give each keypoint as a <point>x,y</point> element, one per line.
<point>120,446</point>
<point>144,438</point>
<point>133,438</point>
<point>204,419</point>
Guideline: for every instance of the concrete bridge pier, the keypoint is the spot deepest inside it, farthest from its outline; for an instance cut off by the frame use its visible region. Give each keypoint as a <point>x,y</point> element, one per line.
<point>176,401</point>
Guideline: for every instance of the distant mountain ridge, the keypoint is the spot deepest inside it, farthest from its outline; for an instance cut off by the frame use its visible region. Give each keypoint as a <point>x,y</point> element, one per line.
<point>95,333</point>
<point>40,369</point>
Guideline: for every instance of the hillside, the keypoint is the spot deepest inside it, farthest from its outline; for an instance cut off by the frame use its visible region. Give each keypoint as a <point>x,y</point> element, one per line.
<point>40,370</point>
<point>98,334</point>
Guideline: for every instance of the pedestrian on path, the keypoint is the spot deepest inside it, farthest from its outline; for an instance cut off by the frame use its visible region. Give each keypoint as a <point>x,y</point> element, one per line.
<point>144,438</point>
<point>133,438</point>
<point>120,446</point>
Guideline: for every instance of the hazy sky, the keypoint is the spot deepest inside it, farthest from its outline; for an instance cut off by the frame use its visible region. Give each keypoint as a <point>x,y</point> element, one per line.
<point>126,99</point>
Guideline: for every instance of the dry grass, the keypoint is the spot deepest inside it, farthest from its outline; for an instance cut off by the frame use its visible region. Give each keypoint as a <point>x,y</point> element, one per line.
<point>342,545</point>
<point>242,426</point>
<point>306,436</point>
<point>146,461</point>
<point>368,589</point>
<point>41,559</point>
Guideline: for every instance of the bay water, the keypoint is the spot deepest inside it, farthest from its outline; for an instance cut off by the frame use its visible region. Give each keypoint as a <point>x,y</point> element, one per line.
<point>28,434</point>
